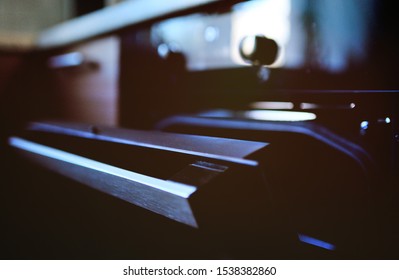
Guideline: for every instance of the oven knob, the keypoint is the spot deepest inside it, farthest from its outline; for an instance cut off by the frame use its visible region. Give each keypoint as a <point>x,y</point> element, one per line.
<point>258,50</point>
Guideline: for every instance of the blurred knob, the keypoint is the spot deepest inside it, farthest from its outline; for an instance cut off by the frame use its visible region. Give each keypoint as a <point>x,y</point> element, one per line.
<point>172,55</point>
<point>258,50</point>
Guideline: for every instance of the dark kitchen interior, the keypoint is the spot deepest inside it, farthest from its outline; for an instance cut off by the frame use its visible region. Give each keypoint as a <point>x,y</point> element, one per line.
<point>227,129</point>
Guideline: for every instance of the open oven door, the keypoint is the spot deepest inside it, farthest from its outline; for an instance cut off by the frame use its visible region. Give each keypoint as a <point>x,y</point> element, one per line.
<point>171,195</point>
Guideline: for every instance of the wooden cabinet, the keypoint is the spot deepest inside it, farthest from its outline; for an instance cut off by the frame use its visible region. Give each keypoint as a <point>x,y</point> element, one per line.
<point>86,81</point>
<point>9,64</point>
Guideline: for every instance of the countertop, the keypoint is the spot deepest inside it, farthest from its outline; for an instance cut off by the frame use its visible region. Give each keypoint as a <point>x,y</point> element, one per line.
<point>100,22</point>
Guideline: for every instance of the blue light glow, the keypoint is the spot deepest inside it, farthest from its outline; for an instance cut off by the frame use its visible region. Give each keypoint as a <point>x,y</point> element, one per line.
<point>163,50</point>
<point>364,125</point>
<point>316,242</point>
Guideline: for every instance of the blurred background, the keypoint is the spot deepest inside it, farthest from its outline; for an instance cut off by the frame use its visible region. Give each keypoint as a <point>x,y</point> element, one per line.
<point>23,19</point>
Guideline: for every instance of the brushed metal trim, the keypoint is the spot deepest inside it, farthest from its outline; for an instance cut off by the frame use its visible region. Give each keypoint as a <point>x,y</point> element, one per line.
<point>167,198</point>
<point>216,148</point>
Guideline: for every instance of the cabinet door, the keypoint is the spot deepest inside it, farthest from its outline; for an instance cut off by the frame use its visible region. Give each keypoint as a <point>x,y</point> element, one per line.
<point>86,81</point>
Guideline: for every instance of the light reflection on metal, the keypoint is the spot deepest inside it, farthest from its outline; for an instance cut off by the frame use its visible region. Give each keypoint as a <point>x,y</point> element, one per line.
<point>264,115</point>
<point>248,45</point>
<point>272,105</point>
<point>72,59</point>
<point>386,120</point>
<point>163,50</point>
<point>316,242</point>
<point>138,189</point>
<point>186,144</point>
<point>181,190</point>
<point>263,73</point>
<point>308,106</point>
<point>364,125</point>
<point>313,106</point>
